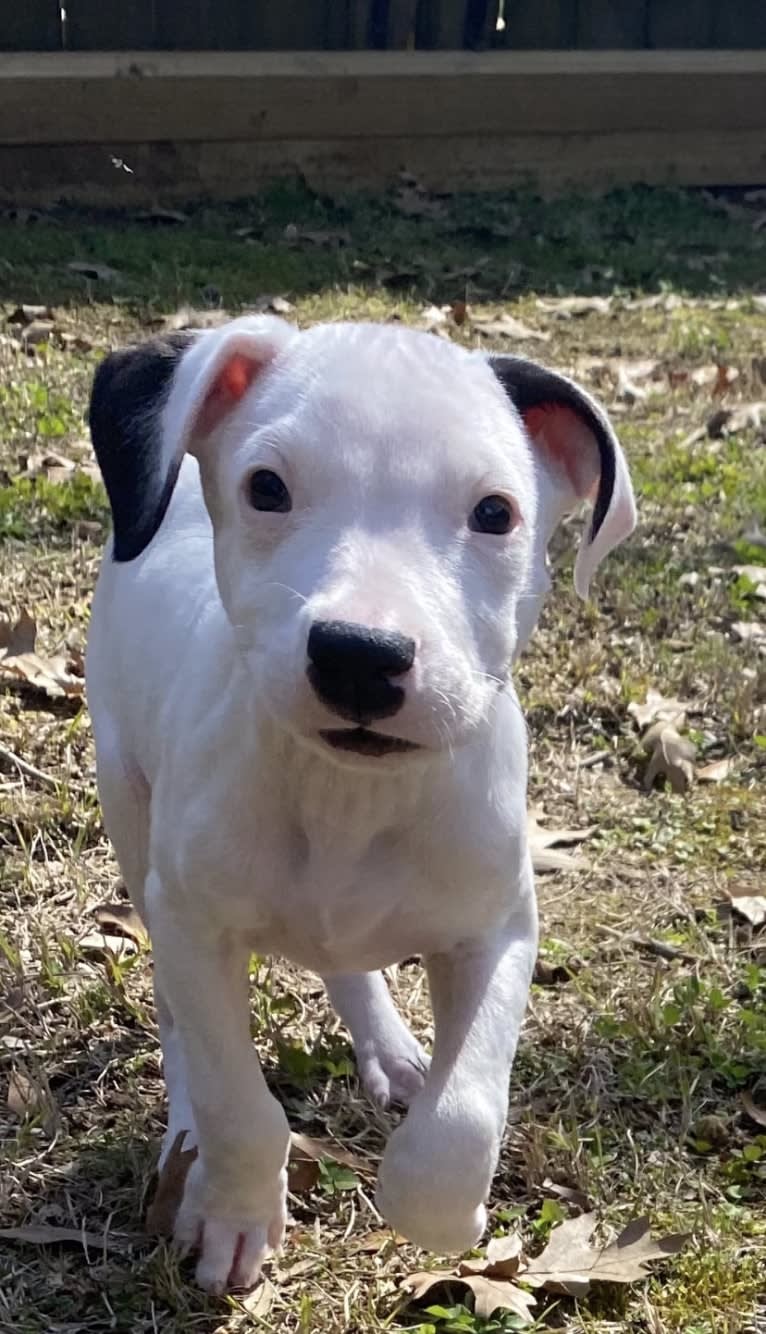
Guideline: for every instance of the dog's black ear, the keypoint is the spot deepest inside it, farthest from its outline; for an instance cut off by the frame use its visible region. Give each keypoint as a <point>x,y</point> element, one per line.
<point>578,451</point>
<point>152,403</point>
<point>129,391</point>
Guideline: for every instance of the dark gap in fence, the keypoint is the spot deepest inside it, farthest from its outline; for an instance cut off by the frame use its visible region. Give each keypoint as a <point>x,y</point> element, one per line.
<point>317,25</point>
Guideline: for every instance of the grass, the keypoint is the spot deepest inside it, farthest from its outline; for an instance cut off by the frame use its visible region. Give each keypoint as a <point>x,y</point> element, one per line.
<point>629,1080</point>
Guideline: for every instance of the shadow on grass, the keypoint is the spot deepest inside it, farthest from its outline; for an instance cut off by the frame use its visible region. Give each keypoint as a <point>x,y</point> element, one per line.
<point>491,247</point>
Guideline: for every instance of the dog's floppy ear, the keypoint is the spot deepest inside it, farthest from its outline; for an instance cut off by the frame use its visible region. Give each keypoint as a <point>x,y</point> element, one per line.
<point>153,402</point>
<point>579,457</point>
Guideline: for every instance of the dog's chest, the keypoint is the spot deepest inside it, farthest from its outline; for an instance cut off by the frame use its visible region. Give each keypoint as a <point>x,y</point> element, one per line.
<point>343,881</point>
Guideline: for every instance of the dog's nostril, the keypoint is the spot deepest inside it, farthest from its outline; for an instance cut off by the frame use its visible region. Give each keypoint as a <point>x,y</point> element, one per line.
<point>343,646</point>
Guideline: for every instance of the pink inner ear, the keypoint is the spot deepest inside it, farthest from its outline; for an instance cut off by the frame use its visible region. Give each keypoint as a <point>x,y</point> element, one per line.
<point>567,441</point>
<point>230,385</point>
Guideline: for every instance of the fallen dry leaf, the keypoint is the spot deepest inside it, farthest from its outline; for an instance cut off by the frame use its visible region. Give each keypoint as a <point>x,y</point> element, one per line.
<point>716,771</point>
<point>626,388</point>
<point>507,326</point>
<point>459,312</point>
<point>756,1113</point>
<point>729,421</point>
<point>756,575</point>
<point>30,1098</point>
<point>278,305</point>
<point>89,269</point>
<point>163,216</point>
<point>372,1242</point>
<point>725,377</point>
<point>750,906</point>
<point>56,677</point>
<point>46,1234</point>
<point>27,314</point>
<point>567,307</point>
<point>671,756</point>
<point>659,709</point>
<point>190,317</point>
<point>101,942</point>
<point>434,317</point>
<point>754,534</point>
<point>17,637</point>
<point>295,236</point>
<point>306,1153</point>
<point>39,331</point>
<point>490,1294</point>
<point>122,917</point>
<point>570,1262</point>
<point>414,202</point>
<point>542,841</point>
<point>259,1302</point>
<point>749,632</point>
<point>161,1214</point>
<point>549,974</point>
<point>569,1193</point>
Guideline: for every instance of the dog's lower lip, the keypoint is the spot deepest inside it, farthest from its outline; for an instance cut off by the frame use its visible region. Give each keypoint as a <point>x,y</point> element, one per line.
<point>362,741</point>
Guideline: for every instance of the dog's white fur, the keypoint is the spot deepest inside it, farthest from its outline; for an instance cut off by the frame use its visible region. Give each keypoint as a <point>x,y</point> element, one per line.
<point>238,829</point>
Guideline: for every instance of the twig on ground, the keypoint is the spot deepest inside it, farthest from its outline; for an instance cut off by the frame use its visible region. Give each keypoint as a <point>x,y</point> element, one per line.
<point>659,948</point>
<point>27,769</point>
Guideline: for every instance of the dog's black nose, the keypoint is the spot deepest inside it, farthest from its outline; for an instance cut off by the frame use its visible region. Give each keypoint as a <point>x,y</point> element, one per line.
<point>350,666</point>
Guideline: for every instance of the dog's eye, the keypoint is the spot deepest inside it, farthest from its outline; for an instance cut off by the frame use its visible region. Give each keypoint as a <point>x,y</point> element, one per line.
<point>267,491</point>
<point>493,514</point>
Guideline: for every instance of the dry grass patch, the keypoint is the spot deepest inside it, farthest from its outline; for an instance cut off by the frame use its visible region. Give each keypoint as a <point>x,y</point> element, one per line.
<point>646,1035</point>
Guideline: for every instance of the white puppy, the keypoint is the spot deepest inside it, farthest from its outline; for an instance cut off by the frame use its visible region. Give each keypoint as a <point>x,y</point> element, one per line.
<point>328,547</point>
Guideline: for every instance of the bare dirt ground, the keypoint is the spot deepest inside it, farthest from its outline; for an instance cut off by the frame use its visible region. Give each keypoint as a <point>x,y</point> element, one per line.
<point>640,1082</point>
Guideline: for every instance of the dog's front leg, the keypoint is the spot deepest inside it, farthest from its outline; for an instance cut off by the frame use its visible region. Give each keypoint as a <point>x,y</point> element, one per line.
<point>392,1064</point>
<point>233,1209</point>
<point>438,1167</point>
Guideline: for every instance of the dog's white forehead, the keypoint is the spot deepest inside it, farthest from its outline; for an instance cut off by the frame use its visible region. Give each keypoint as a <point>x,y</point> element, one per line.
<point>394,394</point>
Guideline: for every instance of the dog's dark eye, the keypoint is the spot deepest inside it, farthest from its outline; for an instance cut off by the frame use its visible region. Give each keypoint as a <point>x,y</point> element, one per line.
<point>493,514</point>
<point>266,491</point>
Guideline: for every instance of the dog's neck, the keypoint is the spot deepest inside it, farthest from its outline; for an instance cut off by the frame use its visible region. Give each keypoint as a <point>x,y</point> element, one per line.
<point>331,801</point>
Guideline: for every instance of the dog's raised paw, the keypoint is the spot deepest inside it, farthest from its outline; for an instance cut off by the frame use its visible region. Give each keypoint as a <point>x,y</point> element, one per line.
<point>393,1078</point>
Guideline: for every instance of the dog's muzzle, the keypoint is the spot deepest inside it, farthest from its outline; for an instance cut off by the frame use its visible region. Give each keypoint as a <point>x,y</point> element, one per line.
<point>350,669</point>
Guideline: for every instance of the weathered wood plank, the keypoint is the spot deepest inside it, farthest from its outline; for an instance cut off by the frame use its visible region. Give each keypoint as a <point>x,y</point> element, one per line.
<point>540,24</point>
<point>198,25</point>
<point>440,25</point>
<point>107,25</point>
<point>30,25</point>
<point>129,98</point>
<point>686,24</point>
<point>739,24</point>
<point>609,26</point>
<point>399,23</point>
<point>481,24</point>
<point>175,173</point>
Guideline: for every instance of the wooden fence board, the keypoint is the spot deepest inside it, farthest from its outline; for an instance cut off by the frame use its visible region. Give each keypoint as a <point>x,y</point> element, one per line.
<point>30,25</point>
<point>440,25</point>
<point>358,24</point>
<point>206,96</point>
<point>109,25</point>
<point>482,23</point>
<point>540,24</point>
<point>174,173</point>
<point>686,24</point>
<point>611,26</point>
<point>198,25</point>
<point>739,24</point>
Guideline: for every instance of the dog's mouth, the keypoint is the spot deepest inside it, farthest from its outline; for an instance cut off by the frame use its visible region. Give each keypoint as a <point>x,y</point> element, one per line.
<point>361,741</point>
